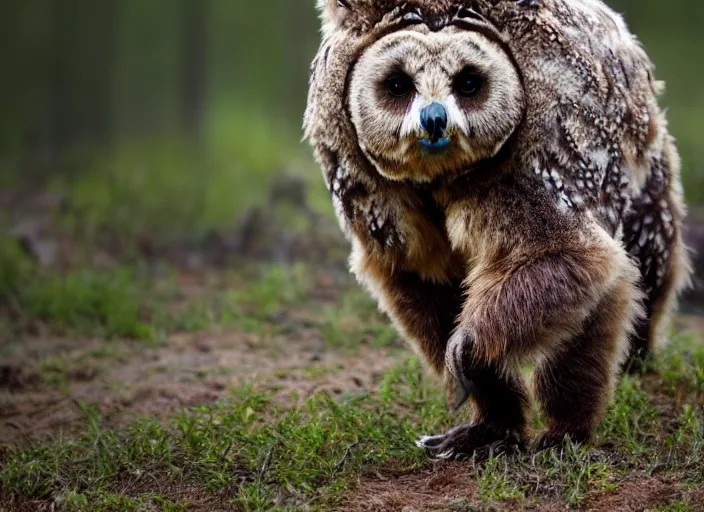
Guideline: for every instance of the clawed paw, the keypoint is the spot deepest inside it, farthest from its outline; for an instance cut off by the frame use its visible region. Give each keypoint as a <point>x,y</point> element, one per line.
<point>477,440</point>
<point>438,448</point>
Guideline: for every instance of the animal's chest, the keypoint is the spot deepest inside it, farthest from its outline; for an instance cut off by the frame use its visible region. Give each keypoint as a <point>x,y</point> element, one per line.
<point>408,232</point>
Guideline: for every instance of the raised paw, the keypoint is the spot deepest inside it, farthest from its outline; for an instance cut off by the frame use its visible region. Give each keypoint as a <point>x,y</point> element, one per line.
<point>478,440</point>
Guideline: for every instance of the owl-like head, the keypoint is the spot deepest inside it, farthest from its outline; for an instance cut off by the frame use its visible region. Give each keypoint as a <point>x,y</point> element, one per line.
<point>426,102</point>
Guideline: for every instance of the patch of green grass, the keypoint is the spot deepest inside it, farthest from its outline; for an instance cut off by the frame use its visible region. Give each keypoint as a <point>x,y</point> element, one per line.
<point>496,482</point>
<point>248,451</point>
<point>250,454</point>
<point>579,470</point>
<point>120,303</point>
<point>355,320</point>
<point>256,305</point>
<point>198,315</point>
<point>168,187</point>
<point>259,305</point>
<point>91,302</point>
<point>56,371</point>
<point>689,437</point>
<point>108,502</point>
<point>277,287</point>
<point>632,421</point>
<point>15,270</point>
<point>680,364</point>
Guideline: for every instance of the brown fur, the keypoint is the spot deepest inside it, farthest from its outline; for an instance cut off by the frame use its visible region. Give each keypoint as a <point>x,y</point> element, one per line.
<point>573,384</point>
<point>555,212</point>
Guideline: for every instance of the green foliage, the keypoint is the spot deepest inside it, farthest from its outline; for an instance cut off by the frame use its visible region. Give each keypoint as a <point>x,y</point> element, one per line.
<point>255,306</point>
<point>120,303</point>
<point>496,482</point>
<point>278,286</point>
<point>15,270</point>
<point>689,436</point>
<point>632,420</point>
<point>91,302</point>
<point>165,188</point>
<point>681,365</point>
<point>578,470</point>
<point>57,371</point>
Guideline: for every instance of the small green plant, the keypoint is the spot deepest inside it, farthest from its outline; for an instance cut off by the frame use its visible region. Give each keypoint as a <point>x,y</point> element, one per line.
<point>496,481</point>
<point>690,433</point>
<point>681,364</point>
<point>632,421</point>
<point>76,502</point>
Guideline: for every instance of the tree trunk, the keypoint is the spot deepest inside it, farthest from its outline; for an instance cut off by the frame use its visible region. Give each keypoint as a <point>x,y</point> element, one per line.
<point>83,62</point>
<point>195,33</point>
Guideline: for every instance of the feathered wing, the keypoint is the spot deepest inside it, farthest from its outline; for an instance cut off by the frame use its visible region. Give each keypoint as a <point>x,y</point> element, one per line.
<point>592,125</point>
<point>597,139</point>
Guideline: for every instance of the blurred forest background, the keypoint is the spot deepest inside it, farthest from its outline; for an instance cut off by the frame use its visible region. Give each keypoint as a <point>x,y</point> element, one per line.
<point>173,117</point>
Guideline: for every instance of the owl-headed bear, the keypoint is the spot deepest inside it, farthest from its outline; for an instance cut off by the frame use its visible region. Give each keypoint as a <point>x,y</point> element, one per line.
<point>511,194</point>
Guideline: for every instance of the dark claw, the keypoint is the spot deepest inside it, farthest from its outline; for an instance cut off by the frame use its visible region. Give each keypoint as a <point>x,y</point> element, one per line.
<point>478,440</point>
<point>529,3</point>
<point>455,362</point>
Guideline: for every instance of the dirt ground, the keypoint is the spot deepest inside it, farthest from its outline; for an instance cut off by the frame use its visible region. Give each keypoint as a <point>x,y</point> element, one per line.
<point>125,381</point>
<point>451,487</point>
<point>194,369</point>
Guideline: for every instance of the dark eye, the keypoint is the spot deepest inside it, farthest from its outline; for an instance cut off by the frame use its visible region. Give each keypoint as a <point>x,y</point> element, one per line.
<point>468,83</point>
<point>399,85</point>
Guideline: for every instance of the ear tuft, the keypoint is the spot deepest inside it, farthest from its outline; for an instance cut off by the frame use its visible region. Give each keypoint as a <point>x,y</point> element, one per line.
<point>332,14</point>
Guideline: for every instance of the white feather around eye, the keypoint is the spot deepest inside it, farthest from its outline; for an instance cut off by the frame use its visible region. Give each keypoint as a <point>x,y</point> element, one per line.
<point>456,120</point>
<point>411,121</point>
